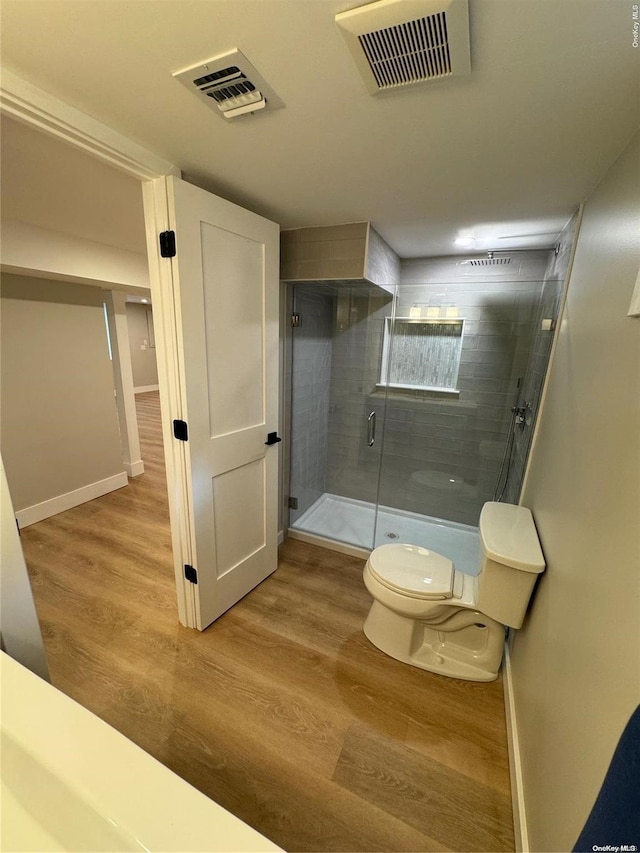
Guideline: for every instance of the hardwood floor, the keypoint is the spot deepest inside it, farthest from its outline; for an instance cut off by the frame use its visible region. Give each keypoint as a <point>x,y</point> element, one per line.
<point>281,711</point>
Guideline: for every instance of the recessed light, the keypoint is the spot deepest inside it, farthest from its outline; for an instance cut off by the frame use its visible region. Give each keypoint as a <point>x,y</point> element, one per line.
<point>464,241</point>
<point>144,300</point>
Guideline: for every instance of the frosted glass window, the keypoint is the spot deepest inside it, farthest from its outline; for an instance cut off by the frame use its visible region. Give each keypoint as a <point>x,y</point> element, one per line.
<point>422,353</point>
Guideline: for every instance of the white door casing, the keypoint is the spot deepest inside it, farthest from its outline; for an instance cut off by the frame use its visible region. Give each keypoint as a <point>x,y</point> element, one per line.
<point>219,298</point>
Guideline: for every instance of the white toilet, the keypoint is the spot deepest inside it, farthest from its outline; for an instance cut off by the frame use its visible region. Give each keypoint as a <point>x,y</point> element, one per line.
<point>427,614</point>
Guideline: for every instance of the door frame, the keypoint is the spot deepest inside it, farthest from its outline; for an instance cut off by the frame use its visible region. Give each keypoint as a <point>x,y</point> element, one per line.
<point>172,395</point>
<point>115,306</point>
<point>38,109</point>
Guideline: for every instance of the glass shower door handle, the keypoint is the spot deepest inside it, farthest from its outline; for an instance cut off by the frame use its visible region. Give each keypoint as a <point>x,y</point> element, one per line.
<point>371,429</point>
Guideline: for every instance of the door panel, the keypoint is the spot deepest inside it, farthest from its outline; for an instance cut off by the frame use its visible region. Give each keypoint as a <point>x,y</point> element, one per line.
<point>225,286</point>
<point>239,514</point>
<point>234,314</point>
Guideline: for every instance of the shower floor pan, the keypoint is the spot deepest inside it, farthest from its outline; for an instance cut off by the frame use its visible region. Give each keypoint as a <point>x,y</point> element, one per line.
<point>352,522</point>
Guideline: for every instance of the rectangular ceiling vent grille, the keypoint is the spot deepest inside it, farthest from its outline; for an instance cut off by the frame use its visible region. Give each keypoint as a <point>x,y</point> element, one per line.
<point>230,85</point>
<point>409,53</point>
<point>397,43</point>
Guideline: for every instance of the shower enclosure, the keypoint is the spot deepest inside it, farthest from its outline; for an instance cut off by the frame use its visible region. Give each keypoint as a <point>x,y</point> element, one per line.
<point>401,422</point>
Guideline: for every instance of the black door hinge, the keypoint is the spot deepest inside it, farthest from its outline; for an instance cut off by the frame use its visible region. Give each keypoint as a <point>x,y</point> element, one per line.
<point>190,574</point>
<point>168,244</point>
<point>293,503</point>
<point>295,320</point>
<point>272,438</point>
<point>180,430</point>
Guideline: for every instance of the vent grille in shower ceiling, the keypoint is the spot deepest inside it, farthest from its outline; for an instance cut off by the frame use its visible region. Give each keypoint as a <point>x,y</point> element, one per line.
<point>403,42</point>
<point>230,85</point>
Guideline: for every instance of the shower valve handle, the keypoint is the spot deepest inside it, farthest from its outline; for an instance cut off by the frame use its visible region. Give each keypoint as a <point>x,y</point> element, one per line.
<point>520,413</point>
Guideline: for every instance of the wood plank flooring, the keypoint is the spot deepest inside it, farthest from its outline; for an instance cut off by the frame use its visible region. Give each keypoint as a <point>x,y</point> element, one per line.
<point>282,711</point>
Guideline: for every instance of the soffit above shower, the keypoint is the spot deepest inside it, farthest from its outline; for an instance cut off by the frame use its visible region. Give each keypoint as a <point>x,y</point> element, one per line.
<point>399,43</point>
<point>342,254</point>
<point>229,85</point>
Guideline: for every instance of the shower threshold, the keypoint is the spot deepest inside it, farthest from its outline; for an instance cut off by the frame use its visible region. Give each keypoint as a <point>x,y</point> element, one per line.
<point>351,522</point>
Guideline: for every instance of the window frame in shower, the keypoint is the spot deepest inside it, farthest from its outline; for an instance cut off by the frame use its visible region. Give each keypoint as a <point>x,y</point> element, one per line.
<point>385,364</point>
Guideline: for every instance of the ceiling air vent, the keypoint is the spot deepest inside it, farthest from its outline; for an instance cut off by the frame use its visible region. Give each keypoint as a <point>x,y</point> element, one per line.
<point>403,42</point>
<point>230,85</point>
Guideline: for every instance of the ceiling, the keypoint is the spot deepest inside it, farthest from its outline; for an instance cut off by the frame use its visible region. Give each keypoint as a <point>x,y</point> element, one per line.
<point>504,155</point>
<point>48,183</point>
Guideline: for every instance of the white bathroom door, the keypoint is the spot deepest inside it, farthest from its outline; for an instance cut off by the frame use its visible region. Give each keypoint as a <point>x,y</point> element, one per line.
<point>225,290</point>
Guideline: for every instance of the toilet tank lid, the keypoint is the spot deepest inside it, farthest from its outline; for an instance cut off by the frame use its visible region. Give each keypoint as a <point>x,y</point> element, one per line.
<point>508,535</point>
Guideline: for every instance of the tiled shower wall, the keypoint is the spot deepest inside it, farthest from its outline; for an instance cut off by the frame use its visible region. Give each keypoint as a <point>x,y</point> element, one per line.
<point>324,253</point>
<point>435,454</point>
<point>310,383</point>
<point>355,371</point>
<point>442,455</point>
<point>349,253</point>
<point>552,291</point>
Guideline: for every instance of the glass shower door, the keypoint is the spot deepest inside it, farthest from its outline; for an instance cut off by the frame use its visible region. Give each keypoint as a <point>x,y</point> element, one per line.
<point>402,409</point>
<point>458,349</point>
<point>337,410</point>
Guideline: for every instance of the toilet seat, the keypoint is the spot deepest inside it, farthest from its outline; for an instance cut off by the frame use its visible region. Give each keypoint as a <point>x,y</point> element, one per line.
<point>413,571</point>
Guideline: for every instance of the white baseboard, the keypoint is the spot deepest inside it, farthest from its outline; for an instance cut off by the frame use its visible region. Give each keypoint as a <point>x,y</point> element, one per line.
<point>142,389</point>
<point>280,537</point>
<point>515,765</point>
<point>38,512</point>
<point>134,469</point>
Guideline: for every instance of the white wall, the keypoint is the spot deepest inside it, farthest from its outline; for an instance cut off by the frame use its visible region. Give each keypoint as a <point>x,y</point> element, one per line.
<point>68,216</point>
<point>576,663</point>
<point>59,423</point>
<point>56,186</point>
<point>21,636</point>
<point>38,252</point>
<point>143,355</point>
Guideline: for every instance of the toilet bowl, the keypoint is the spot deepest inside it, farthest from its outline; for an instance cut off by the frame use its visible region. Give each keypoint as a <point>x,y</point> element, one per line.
<point>429,615</point>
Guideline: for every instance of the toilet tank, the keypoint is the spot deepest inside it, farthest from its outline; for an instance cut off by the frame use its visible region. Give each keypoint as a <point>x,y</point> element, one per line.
<point>512,561</point>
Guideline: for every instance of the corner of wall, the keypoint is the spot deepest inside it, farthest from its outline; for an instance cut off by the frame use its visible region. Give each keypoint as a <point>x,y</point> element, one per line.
<point>515,764</point>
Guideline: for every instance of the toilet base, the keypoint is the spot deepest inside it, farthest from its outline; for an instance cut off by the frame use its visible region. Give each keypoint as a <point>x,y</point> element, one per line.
<point>469,652</point>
